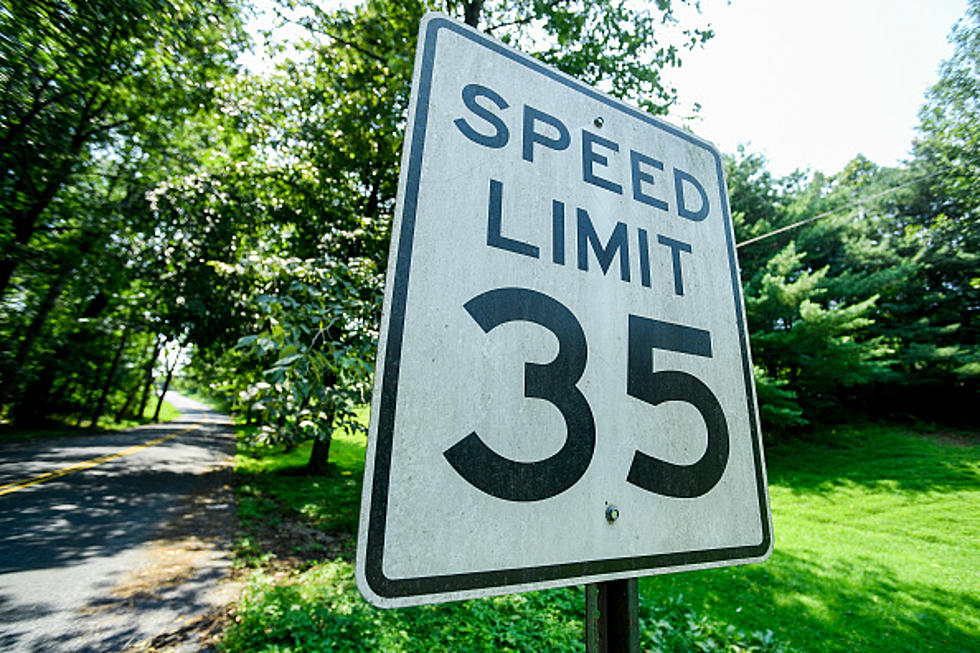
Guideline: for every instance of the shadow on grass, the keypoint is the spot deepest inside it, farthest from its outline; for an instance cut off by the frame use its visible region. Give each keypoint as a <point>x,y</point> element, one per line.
<point>894,458</point>
<point>855,606</point>
<point>281,484</point>
<point>291,519</point>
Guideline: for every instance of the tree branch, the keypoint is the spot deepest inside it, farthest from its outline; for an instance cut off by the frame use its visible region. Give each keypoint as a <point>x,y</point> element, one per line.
<point>520,21</point>
<point>350,44</point>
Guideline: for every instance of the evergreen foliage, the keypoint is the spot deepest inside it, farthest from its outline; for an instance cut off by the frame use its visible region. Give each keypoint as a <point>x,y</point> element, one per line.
<point>874,307</point>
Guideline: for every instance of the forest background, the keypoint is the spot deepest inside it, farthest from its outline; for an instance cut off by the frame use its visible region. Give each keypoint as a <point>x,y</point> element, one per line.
<point>161,206</point>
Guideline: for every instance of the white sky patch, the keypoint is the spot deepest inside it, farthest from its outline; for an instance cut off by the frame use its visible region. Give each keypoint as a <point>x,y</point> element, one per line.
<point>259,60</point>
<point>811,85</point>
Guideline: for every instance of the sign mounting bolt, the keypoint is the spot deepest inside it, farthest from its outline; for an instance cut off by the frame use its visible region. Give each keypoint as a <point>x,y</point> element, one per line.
<point>612,513</point>
<point>598,121</point>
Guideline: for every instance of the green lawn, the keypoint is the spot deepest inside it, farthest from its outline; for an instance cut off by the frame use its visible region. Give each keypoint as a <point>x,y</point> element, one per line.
<point>877,548</point>
<point>270,480</point>
<point>877,539</point>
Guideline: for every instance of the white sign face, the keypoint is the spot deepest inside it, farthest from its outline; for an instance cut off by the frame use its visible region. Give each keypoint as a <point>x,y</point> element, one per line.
<point>563,390</point>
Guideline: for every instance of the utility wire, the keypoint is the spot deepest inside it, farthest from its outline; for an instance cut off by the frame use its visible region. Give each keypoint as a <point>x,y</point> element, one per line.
<point>775,232</point>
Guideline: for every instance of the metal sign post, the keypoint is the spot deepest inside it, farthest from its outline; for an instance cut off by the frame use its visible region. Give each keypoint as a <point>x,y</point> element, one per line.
<point>612,623</point>
<point>563,390</point>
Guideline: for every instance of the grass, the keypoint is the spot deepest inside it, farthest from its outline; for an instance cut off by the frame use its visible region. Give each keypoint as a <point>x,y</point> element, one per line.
<point>877,548</point>
<point>316,606</point>
<point>321,610</point>
<point>60,427</point>
<point>272,480</point>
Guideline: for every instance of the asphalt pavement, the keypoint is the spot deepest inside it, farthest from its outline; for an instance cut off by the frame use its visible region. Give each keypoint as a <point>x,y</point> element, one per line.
<point>109,540</point>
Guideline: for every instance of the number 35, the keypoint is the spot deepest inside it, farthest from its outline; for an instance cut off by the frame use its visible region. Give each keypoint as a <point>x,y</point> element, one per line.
<point>556,382</point>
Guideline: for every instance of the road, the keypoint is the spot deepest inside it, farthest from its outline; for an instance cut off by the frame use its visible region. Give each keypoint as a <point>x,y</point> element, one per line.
<point>106,542</point>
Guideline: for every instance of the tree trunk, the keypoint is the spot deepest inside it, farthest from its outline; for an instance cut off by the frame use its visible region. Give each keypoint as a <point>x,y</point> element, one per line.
<point>148,371</point>
<point>25,220</point>
<point>100,406</point>
<point>41,315</point>
<point>321,451</point>
<point>84,245</point>
<point>131,395</point>
<point>8,385</point>
<point>471,12</point>
<point>166,386</point>
<point>35,402</point>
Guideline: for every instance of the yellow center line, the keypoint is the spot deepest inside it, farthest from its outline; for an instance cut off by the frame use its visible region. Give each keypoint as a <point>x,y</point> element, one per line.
<point>91,462</point>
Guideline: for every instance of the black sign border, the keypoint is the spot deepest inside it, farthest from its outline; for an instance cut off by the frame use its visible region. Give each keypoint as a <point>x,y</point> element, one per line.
<point>400,588</point>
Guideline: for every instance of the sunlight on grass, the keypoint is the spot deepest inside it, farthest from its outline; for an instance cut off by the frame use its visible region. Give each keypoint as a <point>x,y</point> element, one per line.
<point>319,608</point>
<point>877,539</point>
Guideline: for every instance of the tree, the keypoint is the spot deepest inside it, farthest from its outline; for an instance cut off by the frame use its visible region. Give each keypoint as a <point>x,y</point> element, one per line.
<point>941,320</point>
<point>94,97</point>
<point>811,292</point>
<point>868,308</point>
<point>79,76</point>
<point>333,116</point>
<point>607,43</point>
<point>314,352</point>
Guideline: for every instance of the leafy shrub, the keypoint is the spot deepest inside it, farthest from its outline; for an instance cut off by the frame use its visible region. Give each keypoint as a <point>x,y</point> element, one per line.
<point>321,610</point>
<point>673,626</point>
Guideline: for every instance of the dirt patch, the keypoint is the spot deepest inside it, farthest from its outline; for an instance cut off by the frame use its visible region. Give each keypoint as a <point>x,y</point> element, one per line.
<point>954,438</point>
<point>187,545</point>
<point>295,545</point>
<point>170,563</point>
<point>202,633</point>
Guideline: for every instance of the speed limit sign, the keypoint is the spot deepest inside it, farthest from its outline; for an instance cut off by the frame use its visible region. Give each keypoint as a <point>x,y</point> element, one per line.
<point>563,391</point>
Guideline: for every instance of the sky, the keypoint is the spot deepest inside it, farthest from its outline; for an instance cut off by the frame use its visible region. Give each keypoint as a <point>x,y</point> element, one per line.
<point>809,84</point>
<point>812,84</point>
